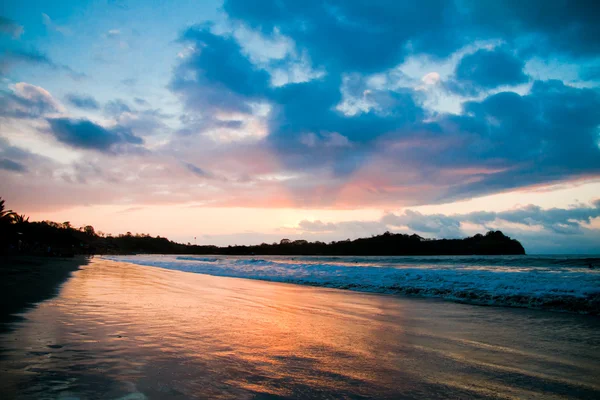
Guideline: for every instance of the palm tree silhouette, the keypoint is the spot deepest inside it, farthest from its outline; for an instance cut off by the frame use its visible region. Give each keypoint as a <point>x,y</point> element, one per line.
<point>20,219</point>
<point>6,216</point>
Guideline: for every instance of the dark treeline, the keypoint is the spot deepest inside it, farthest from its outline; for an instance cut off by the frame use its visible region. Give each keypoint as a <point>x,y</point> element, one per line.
<point>387,244</point>
<point>18,235</point>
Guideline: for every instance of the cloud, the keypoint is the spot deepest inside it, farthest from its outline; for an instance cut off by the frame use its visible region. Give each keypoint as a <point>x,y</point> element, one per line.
<point>563,221</point>
<point>129,81</point>
<point>84,134</point>
<point>82,101</point>
<point>116,107</point>
<point>431,78</point>
<point>33,57</point>
<point>143,123</point>
<point>356,36</point>
<point>436,224</point>
<point>557,220</point>
<point>116,36</point>
<point>316,226</point>
<point>547,135</point>
<point>488,69</point>
<point>16,159</point>
<point>141,102</point>
<point>10,165</point>
<point>216,75</point>
<point>10,27</point>
<point>345,228</point>
<point>313,105</point>
<point>118,4</point>
<point>198,171</point>
<point>503,142</point>
<point>530,224</point>
<point>307,109</point>
<point>27,101</point>
<point>338,125</point>
<point>564,28</point>
<point>51,25</point>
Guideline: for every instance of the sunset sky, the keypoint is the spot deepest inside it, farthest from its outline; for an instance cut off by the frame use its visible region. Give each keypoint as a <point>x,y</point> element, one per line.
<point>242,122</point>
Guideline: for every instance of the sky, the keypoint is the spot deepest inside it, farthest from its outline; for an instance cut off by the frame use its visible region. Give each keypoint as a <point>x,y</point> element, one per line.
<point>236,122</point>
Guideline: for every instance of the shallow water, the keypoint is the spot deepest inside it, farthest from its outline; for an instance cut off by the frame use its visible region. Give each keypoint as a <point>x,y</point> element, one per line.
<point>126,331</point>
<point>559,283</point>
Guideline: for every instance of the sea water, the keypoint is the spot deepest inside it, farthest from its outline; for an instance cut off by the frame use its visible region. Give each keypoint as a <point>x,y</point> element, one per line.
<point>560,283</point>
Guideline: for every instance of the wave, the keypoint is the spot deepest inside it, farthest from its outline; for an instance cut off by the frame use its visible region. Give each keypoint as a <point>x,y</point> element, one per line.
<point>553,283</point>
<point>188,258</point>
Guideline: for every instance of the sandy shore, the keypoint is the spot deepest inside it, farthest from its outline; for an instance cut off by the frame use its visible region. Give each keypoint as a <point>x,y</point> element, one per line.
<point>119,330</point>
<point>25,281</point>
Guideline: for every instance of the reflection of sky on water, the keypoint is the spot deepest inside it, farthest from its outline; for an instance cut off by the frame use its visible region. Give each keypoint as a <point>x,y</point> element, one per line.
<point>119,330</point>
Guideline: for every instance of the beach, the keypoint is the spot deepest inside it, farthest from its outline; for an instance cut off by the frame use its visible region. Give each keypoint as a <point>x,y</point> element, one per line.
<point>119,330</point>
<point>27,280</point>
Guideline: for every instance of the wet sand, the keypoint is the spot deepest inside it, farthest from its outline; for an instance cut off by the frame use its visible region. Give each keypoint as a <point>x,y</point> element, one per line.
<point>119,330</point>
<point>27,280</point>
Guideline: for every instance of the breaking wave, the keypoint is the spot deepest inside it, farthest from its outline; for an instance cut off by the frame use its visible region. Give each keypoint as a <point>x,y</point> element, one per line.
<point>554,283</point>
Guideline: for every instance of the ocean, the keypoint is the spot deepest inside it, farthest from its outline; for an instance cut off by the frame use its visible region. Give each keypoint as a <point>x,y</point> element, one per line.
<point>559,283</point>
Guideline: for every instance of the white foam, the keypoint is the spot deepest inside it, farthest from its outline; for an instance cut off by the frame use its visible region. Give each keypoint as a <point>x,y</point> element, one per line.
<point>560,284</point>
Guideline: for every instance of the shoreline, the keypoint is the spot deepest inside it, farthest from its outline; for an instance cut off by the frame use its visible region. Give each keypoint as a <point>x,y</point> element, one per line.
<point>479,288</point>
<point>120,330</point>
<point>28,280</point>
<point>386,294</point>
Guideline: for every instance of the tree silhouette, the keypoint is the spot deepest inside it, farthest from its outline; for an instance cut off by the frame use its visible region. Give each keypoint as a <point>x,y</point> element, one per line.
<point>17,233</point>
<point>20,219</point>
<point>6,216</point>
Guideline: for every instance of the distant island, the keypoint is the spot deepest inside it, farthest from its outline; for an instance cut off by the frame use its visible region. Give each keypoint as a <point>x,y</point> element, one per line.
<point>19,236</point>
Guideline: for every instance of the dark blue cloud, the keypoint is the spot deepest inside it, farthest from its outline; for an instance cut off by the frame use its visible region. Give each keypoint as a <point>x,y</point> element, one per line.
<point>198,171</point>
<point>116,107</point>
<point>558,220</point>
<point>550,27</point>
<point>83,101</point>
<point>10,27</point>
<point>557,225</point>
<point>16,159</point>
<point>218,59</point>
<point>144,123</point>
<point>436,224</point>
<point>554,124</point>
<point>549,134</point>
<point>305,108</point>
<point>563,221</point>
<point>141,102</point>
<point>488,69</point>
<point>10,58</point>
<point>354,35</point>
<point>129,82</point>
<point>217,75</point>
<point>28,101</point>
<point>591,73</point>
<point>85,134</point>
<point>10,165</point>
